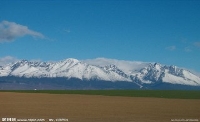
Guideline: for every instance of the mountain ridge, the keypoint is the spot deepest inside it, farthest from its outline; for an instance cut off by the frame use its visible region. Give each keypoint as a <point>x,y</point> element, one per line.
<point>138,73</point>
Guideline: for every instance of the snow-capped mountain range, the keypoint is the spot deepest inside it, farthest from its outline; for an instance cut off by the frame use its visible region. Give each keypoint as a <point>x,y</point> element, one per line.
<point>140,73</point>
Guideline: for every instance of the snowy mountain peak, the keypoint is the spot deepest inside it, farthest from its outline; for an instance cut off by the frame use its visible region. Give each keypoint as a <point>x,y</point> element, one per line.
<point>110,67</point>
<point>157,66</point>
<point>156,73</point>
<point>103,69</point>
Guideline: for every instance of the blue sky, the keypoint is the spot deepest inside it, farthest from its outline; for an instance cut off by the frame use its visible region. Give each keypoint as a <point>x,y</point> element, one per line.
<point>164,31</point>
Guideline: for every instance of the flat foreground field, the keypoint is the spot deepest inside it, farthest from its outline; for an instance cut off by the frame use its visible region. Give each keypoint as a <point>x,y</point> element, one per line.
<point>97,108</point>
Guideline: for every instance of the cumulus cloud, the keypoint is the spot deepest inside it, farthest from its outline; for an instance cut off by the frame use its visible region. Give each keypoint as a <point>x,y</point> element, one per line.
<point>11,30</point>
<point>7,60</point>
<point>171,48</point>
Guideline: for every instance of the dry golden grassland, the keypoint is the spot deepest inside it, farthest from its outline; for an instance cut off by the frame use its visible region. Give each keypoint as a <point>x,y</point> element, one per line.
<point>96,108</point>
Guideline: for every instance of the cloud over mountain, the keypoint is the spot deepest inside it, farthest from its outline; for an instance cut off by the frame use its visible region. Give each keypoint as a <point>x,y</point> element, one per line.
<point>7,59</point>
<point>10,31</point>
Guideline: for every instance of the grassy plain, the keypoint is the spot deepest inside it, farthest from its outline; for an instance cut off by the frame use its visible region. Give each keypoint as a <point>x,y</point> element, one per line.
<point>99,106</point>
<point>180,94</point>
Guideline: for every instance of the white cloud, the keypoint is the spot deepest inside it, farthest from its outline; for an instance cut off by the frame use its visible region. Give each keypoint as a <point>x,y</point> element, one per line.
<point>171,48</point>
<point>127,66</point>
<point>67,30</point>
<point>11,30</point>
<point>7,60</point>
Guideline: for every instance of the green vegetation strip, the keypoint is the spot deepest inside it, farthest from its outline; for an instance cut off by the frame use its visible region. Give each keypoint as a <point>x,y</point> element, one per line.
<point>179,94</point>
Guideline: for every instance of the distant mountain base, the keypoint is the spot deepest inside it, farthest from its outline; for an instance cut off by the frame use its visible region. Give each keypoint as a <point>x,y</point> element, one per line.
<point>22,83</point>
